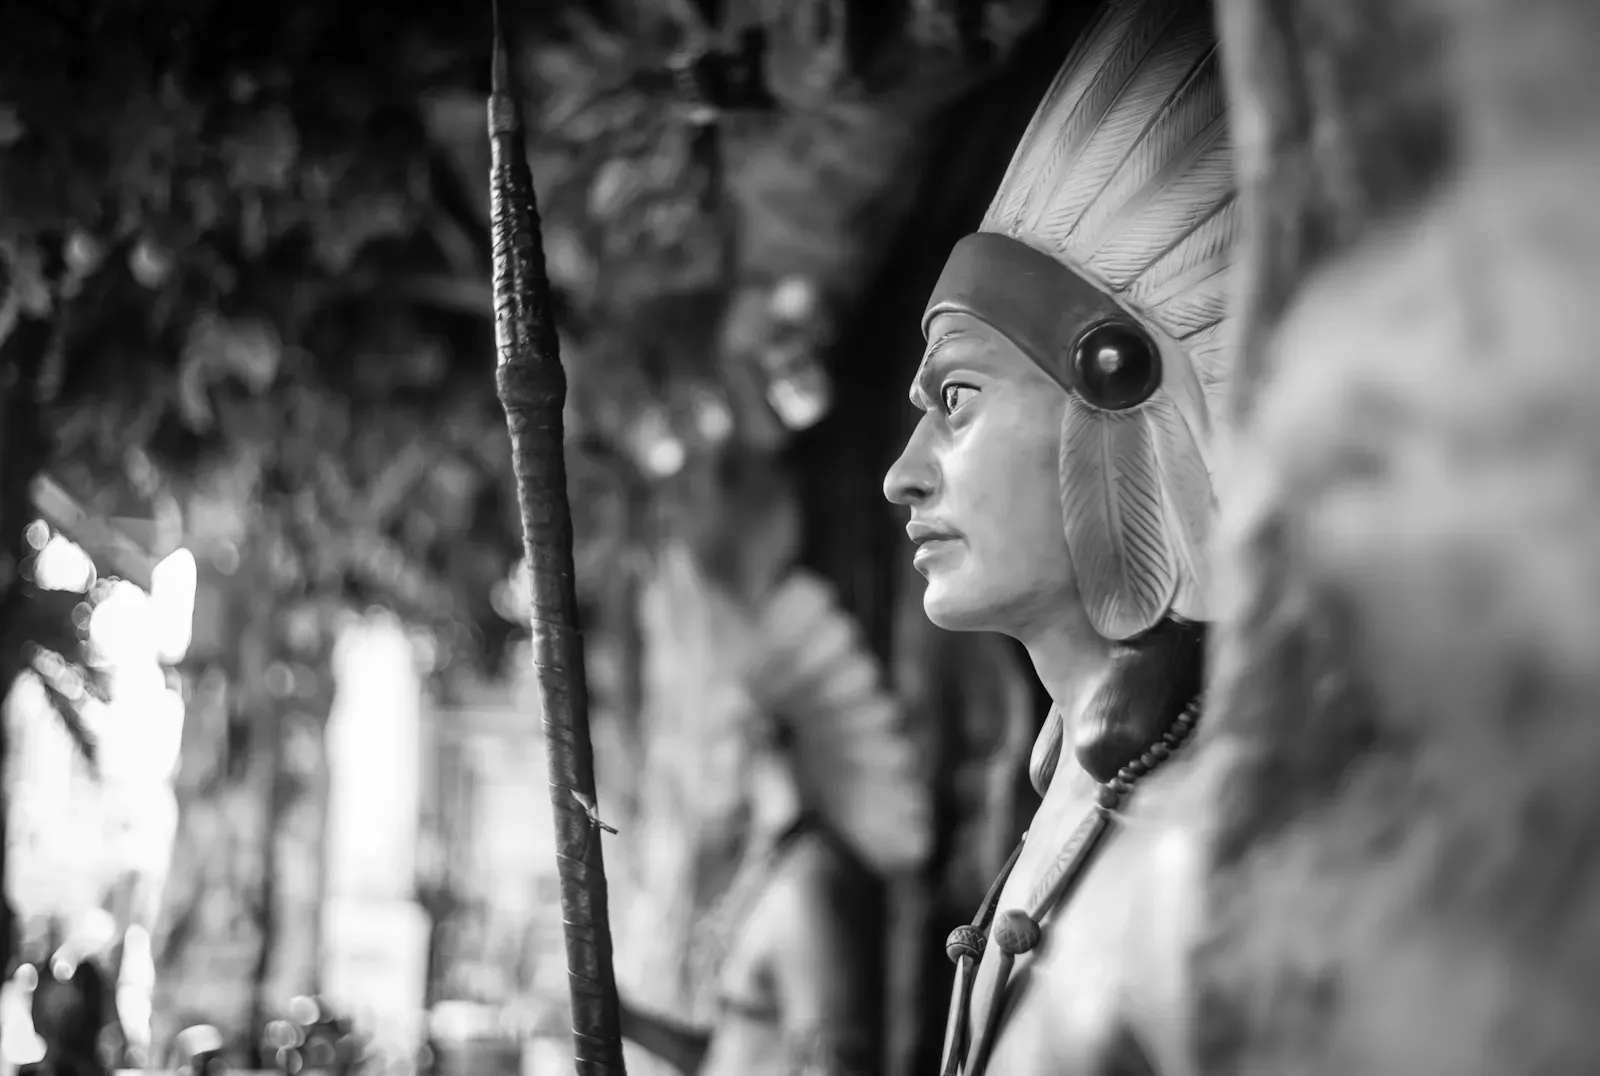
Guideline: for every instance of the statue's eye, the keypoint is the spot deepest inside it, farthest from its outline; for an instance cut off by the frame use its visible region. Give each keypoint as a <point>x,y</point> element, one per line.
<point>1117,365</point>
<point>954,394</point>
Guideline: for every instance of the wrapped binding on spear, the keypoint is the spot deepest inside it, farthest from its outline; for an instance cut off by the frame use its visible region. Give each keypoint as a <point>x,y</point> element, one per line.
<point>533,389</point>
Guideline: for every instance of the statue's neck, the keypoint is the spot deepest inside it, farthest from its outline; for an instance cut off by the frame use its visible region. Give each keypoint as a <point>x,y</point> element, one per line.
<point>1114,700</point>
<point>1070,658</point>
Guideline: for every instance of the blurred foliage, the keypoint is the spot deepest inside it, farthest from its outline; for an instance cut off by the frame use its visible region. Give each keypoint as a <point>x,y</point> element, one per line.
<point>250,246</point>
<point>227,203</point>
<point>267,232</point>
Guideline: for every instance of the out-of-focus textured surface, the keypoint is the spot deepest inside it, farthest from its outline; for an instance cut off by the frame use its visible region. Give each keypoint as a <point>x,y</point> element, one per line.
<point>706,183</point>
<point>734,636</point>
<point>1405,684</point>
<point>248,246</point>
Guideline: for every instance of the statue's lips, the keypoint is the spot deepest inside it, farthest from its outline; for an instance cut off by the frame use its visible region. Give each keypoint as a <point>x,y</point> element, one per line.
<point>929,541</point>
<point>923,533</point>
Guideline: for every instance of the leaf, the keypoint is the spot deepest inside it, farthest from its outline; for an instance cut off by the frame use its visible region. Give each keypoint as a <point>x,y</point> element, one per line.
<point>1111,508</point>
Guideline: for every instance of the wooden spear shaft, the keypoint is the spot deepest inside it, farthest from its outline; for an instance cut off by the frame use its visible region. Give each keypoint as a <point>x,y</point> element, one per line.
<point>533,390</point>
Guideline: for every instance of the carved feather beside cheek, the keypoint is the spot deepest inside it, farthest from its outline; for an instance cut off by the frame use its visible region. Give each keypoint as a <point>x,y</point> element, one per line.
<point>1113,513</point>
<point>1187,503</point>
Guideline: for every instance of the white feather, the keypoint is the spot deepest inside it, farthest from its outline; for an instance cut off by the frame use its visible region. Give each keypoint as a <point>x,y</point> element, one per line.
<point>1211,353</point>
<point>1194,101</point>
<point>1204,302</point>
<point>1187,503</point>
<point>1071,124</point>
<point>853,749</point>
<point>1105,172</point>
<point>1193,258</point>
<point>1112,511</point>
<point>1088,56</point>
<point>1200,183</point>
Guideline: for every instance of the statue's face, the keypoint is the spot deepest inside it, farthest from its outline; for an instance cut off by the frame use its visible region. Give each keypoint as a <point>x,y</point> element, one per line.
<point>981,477</point>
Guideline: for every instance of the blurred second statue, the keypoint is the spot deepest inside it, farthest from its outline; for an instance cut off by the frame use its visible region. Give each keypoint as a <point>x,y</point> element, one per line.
<point>780,791</point>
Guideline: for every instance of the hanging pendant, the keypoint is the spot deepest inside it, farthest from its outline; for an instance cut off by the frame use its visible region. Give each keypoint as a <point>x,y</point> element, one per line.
<point>1069,863</point>
<point>955,1031</point>
<point>965,948</point>
<point>1017,930</point>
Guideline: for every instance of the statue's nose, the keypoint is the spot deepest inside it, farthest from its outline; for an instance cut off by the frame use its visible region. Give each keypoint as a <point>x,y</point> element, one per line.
<point>913,477</point>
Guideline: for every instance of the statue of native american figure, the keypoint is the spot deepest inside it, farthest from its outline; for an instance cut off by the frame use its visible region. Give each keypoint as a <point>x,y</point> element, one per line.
<point>1059,486</point>
<point>784,973</point>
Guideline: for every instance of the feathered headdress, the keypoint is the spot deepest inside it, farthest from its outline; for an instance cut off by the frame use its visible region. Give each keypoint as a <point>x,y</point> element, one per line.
<point>1104,257</point>
<point>856,758</point>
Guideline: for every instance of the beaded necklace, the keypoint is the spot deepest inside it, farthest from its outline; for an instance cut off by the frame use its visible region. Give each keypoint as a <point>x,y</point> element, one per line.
<point>1017,930</point>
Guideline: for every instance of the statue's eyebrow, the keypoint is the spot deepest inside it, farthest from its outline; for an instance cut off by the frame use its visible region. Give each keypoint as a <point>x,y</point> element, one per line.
<point>925,387</point>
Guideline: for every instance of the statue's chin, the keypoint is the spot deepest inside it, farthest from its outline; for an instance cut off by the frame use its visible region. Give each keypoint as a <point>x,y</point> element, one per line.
<point>953,611</point>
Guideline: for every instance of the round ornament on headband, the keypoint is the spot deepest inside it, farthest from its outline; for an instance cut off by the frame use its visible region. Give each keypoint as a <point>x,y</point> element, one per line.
<point>1075,332</point>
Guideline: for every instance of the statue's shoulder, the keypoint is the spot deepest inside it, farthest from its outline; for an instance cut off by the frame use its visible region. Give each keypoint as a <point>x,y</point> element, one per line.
<point>1047,747</point>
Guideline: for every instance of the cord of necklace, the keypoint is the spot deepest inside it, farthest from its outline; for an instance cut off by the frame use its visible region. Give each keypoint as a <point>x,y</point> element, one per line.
<point>964,948</point>
<point>1017,930</point>
<point>1059,876</point>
